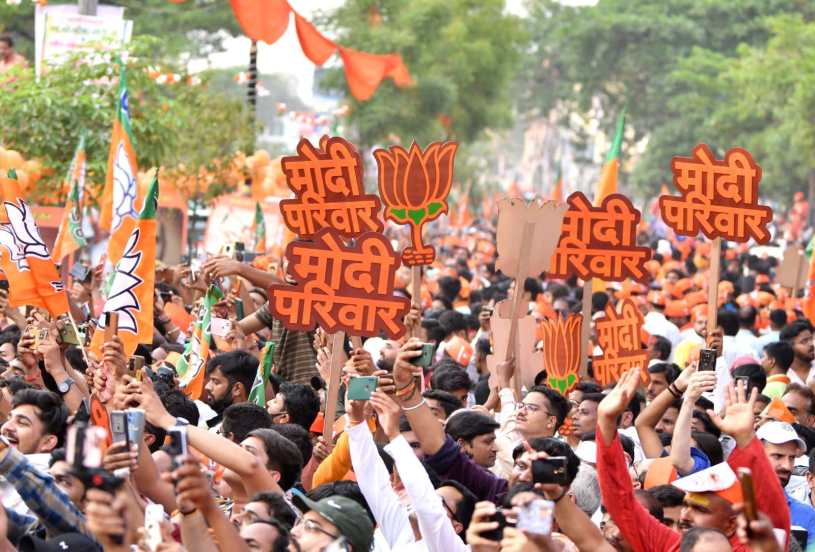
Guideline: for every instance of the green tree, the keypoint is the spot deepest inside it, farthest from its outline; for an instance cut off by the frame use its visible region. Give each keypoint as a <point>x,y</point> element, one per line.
<point>462,54</point>
<point>645,55</point>
<point>182,126</point>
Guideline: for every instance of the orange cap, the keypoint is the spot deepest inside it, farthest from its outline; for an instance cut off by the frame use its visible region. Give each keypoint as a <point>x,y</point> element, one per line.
<point>660,472</point>
<point>682,286</point>
<point>676,309</point>
<point>459,350</point>
<point>699,310</point>
<point>656,297</point>
<point>778,411</point>
<point>695,298</point>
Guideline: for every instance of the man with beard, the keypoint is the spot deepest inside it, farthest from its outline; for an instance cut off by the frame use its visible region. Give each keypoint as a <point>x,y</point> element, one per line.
<point>229,380</point>
<point>783,446</point>
<point>710,493</point>
<point>799,335</point>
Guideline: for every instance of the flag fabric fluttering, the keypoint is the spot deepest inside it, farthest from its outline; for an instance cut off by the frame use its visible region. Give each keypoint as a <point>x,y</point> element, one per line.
<point>557,191</point>
<point>24,257</point>
<point>808,303</point>
<point>120,201</point>
<point>132,287</point>
<point>70,238</point>
<point>608,179</point>
<point>257,394</point>
<point>259,228</point>
<point>191,367</point>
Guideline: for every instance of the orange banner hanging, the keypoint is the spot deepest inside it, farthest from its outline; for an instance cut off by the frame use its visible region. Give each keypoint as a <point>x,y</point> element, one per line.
<point>316,47</point>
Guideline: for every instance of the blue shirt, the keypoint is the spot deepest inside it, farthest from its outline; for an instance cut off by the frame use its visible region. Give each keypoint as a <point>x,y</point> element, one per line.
<point>802,516</point>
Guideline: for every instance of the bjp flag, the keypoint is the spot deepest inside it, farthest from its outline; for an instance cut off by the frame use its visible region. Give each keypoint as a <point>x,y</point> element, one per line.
<point>191,367</point>
<point>120,197</point>
<point>132,288</point>
<point>259,227</point>
<point>70,238</point>
<point>608,180</point>
<point>24,257</point>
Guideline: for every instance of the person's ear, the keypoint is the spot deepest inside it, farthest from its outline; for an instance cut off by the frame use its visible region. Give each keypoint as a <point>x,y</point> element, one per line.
<point>458,527</point>
<point>47,443</point>
<point>149,439</point>
<point>238,390</point>
<point>731,526</point>
<point>275,475</point>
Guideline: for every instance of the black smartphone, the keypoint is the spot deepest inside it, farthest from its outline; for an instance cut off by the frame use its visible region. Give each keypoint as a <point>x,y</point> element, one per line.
<point>707,359</point>
<point>177,445</point>
<point>550,470</point>
<point>80,273</point>
<point>426,358</point>
<point>239,309</point>
<point>239,251</point>
<point>118,427</point>
<point>498,533</point>
<point>748,494</point>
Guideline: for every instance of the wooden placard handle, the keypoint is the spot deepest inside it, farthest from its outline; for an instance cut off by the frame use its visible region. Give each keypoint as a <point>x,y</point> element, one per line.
<point>337,340</point>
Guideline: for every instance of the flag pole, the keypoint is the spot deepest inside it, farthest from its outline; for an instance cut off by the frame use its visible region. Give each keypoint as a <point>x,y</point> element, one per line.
<point>76,330</point>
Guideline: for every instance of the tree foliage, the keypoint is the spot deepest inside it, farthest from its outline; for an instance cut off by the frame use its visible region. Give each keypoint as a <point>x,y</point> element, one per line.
<point>178,125</point>
<point>672,63</point>
<point>462,54</point>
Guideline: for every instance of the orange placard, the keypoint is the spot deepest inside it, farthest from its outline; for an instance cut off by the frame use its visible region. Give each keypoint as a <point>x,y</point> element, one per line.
<point>100,417</point>
<point>414,187</point>
<point>561,351</point>
<point>327,183</point>
<point>618,334</point>
<point>719,198</point>
<point>341,288</point>
<point>600,242</point>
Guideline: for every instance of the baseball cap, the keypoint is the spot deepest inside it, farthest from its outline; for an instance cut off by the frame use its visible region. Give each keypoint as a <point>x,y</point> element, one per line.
<point>778,411</point>
<point>67,542</point>
<point>719,479</point>
<point>459,350</point>
<point>350,518</point>
<point>779,433</point>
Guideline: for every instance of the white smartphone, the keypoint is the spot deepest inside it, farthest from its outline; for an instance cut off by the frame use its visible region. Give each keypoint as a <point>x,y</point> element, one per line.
<point>153,516</point>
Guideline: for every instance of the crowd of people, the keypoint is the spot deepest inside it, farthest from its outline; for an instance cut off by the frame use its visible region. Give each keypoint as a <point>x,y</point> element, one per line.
<point>444,457</point>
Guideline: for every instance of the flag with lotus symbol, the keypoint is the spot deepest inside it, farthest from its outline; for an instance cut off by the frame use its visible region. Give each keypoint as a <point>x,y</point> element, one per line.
<point>260,230</point>
<point>257,394</point>
<point>132,287</point>
<point>191,367</point>
<point>119,202</point>
<point>70,238</point>
<point>24,257</point>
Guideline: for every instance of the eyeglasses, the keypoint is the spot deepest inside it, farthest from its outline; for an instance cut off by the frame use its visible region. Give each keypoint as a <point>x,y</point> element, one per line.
<point>532,408</point>
<point>312,526</point>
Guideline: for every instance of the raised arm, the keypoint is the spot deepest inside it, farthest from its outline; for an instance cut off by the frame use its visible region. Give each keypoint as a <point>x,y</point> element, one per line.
<point>221,267</point>
<point>680,441</point>
<point>651,414</point>
<point>425,425</point>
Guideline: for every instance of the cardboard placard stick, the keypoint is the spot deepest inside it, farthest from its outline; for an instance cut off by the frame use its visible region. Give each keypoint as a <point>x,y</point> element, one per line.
<point>356,341</point>
<point>416,297</point>
<point>585,331</point>
<point>333,386</point>
<point>792,270</point>
<point>713,285</point>
<point>518,295</point>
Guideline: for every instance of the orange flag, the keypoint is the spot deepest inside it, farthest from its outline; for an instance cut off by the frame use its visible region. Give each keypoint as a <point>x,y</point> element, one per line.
<point>69,237</point>
<point>131,293</point>
<point>119,202</point>
<point>608,180</point>
<point>24,257</point>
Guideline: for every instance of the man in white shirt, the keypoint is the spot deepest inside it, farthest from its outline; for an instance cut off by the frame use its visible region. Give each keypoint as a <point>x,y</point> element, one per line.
<point>655,322</point>
<point>799,335</point>
<point>778,319</point>
<point>745,337</point>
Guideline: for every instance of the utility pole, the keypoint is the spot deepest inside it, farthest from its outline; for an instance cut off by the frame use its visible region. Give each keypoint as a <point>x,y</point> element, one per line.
<point>88,7</point>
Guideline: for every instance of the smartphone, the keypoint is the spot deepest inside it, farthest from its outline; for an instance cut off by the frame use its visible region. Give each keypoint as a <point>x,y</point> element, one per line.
<point>69,336</point>
<point>40,335</point>
<point>220,327</point>
<point>153,516</point>
<point>536,516</point>
<point>361,387</point>
<point>135,365</point>
<point>177,445</point>
<point>748,494</point>
<point>239,251</point>
<point>80,273</point>
<point>135,425</point>
<point>426,358</point>
<point>550,470</point>
<point>239,310</point>
<point>707,359</point>
<point>498,533</point>
<point>118,427</point>
<point>83,446</point>
<point>111,325</point>
<point>4,284</point>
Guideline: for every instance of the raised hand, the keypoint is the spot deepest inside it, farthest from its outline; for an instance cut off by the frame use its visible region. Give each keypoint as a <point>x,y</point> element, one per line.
<point>403,370</point>
<point>481,522</point>
<point>388,413</point>
<point>616,402</point>
<point>682,380</point>
<point>700,382</point>
<point>738,414</point>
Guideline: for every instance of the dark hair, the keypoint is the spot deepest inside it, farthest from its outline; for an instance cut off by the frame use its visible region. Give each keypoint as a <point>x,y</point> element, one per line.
<point>707,423</point>
<point>284,456</point>
<point>804,392</point>
<point>74,357</point>
<point>433,329</point>
<point>15,384</point>
<point>342,487</point>
<point>792,330</point>
<point>668,496</point>
<point>297,435</point>
<point>670,370</point>
<point>481,391</point>
<point>635,405</point>
<point>450,378</point>
<point>57,455</point>
<point>452,321</point>
<point>756,377</point>
<point>747,316</point>
<point>469,424</point>
<point>558,402</point>
<point>533,287</point>
<point>588,387</point>
<point>778,317</point>
<point>653,506</point>
<point>404,423</point>
<point>10,335</point>
<point>301,402</point>
<point>518,488</point>
<point>447,401</point>
<point>466,506</point>
<point>52,411</point>
<point>628,446</point>
<point>556,447</point>
<point>593,397</point>
<point>781,352</point>
<point>179,405</point>
<point>242,418</point>
<point>662,346</point>
<point>694,535</point>
<point>279,508</point>
<point>729,321</point>
<point>236,366</point>
<point>710,445</point>
<point>7,39</point>
<point>599,300</point>
<point>449,287</point>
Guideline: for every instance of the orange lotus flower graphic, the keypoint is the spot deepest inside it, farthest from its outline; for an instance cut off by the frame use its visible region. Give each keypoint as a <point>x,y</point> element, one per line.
<point>414,187</point>
<point>561,351</point>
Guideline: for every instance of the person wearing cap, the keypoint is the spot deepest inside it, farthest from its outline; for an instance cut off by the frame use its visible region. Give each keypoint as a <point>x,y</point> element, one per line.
<point>783,445</point>
<point>330,520</point>
<point>776,361</point>
<point>711,502</point>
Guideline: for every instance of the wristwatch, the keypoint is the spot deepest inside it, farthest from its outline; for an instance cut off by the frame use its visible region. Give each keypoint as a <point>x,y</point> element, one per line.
<point>65,385</point>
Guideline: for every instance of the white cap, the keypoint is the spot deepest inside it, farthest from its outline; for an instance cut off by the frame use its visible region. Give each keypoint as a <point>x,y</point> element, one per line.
<point>779,433</point>
<point>712,479</point>
<point>374,346</point>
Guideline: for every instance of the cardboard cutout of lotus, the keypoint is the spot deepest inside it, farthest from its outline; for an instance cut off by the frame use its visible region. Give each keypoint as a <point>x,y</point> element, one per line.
<point>561,351</point>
